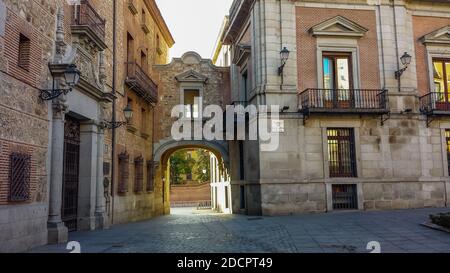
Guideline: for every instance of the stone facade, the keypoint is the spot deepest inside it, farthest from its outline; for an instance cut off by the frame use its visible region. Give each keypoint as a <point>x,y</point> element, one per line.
<point>190,73</point>
<point>142,22</point>
<point>24,224</point>
<point>400,161</point>
<point>38,41</point>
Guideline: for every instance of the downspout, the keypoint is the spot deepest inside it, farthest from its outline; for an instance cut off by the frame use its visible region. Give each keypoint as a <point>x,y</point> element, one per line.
<point>281,40</point>
<point>113,148</point>
<point>383,65</point>
<point>396,44</point>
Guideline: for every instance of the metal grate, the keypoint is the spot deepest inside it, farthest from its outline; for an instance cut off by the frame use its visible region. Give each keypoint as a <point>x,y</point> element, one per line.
<point>84,14</point>
<point>150,174</point>
<point>69,210</point>
<point>138,174</point>
<point>124,160</point>
<point>345,197</point>
<point>19,179</point>
<point>341,152</point>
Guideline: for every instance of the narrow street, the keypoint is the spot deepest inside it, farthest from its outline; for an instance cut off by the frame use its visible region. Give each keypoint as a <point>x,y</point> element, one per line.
<point>188,231</point>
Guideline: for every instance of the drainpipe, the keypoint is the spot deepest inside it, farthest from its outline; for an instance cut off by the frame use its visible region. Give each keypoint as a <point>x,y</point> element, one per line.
<point>382,45</point>
<point>113,146</point>
<point>281,39</point>
<point>396,44</point>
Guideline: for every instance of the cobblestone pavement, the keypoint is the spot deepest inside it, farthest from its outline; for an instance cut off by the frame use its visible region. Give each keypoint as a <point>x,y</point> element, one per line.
<point>187,230</point>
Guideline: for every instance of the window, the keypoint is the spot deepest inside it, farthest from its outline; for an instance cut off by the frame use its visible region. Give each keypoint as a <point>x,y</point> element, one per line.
<point>130,48</point>
<point>144,61</point>
<point>244,89</point>
<point>242,199</point>
<point>24,52</point>
<point>337,75</point>
<point>341,152</point>
<point>138,174</point>
<point>441,74</point>
<point>143,121</point>
<point>123,173</point>
<point>150,183</point>
<point>241,161</point>
<point>19,177</point>
<point>143,17</point>
<point>337,70</point>
<point>344,197</point>
<point>192,109</point>
<point>158,45</point>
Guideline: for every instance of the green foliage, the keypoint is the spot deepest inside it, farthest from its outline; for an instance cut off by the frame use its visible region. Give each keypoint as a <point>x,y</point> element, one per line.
<point>180,164</point>
<point>203,164</point>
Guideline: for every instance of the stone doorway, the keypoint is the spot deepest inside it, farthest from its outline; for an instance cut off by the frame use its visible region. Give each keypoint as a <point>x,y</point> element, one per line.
<point>71,173</point>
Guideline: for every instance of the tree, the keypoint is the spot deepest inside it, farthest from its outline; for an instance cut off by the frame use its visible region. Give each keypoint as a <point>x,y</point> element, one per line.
<point>180,164</point>
<point>202,167</point>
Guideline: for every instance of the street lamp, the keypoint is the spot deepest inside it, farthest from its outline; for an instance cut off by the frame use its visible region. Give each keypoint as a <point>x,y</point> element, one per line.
<point>71,76</point>
<point>406,60</point>
<point>127,112</point>
<point>284,55</point>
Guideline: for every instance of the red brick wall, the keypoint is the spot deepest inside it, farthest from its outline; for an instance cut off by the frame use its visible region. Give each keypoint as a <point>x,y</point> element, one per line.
<point>14,27</point>
<point>306,45</point>
<point>190,193</point>
<point>423,26</point>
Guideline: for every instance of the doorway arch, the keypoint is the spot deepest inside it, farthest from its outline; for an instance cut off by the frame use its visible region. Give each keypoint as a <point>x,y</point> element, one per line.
<point>163,152</point>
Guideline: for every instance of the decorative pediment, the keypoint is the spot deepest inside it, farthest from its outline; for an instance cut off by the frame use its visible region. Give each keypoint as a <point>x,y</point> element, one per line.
<point>241,54</point>
<point>440,36</point>
<point>338,26</point>
<point>191,76</point>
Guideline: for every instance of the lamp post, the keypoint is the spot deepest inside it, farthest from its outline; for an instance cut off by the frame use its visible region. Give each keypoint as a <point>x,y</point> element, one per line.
<point>406,60</point>
<point>71,77</point>
<point>284,56</point>
<point>127,112</point>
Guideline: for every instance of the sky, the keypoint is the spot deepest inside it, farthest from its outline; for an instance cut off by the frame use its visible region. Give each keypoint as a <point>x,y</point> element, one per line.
<point>194,24</point>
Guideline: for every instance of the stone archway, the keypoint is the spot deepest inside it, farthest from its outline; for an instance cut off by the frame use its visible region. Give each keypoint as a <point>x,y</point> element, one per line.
<point>163,151</point>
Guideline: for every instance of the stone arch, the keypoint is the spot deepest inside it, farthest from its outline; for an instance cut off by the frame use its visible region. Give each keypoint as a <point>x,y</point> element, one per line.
<point>165,148</point>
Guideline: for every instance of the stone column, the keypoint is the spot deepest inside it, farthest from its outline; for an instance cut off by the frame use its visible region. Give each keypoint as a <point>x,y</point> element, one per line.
<point>88,176</point>
<point>101,219</point>
<point>57,231</point>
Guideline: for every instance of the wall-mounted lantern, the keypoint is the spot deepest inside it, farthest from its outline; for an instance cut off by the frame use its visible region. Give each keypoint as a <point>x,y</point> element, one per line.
<point>127,112</point>
<point>406,60</point>
<point>284,55</point>
<point>71,76</point>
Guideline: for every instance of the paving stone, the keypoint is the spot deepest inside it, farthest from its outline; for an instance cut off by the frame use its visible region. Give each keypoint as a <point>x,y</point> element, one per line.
<point>185,232</point>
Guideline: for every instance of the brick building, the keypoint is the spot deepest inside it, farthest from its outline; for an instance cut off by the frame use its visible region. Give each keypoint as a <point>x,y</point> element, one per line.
<point>57,140</point>
<point>353,134</point>
<point>144,40</point>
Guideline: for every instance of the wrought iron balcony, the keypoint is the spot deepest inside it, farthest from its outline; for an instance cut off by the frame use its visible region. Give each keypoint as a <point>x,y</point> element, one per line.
<point>239,12</point>
<point>132,7</point>
<point>86,20</point>
<point>435,103</point>
<point>344,101</point>
<point>139,81</point>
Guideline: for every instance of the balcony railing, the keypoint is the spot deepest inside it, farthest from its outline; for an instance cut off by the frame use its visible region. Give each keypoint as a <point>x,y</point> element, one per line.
<point>85,15</point>
<point>132,6</point>
<point>141,83</point>
<point>435,103</point>
<point>234,8</point>
<point>344,101</point>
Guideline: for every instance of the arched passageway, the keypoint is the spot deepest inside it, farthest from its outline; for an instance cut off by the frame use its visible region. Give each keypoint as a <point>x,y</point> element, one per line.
<point>218,182</point>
